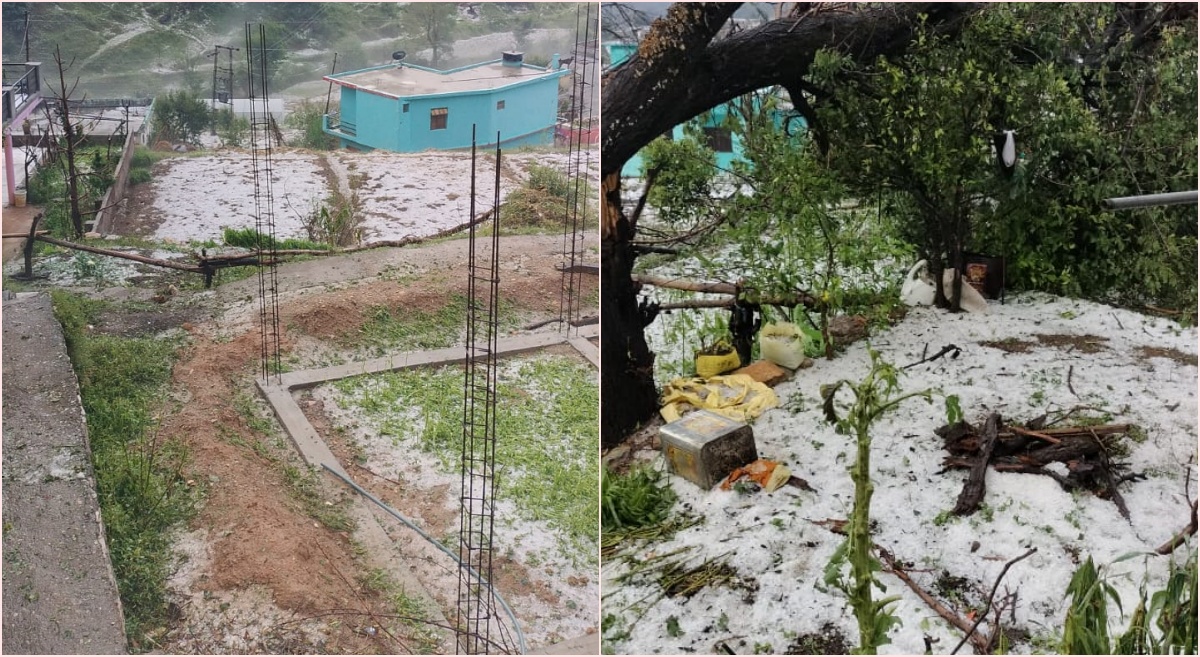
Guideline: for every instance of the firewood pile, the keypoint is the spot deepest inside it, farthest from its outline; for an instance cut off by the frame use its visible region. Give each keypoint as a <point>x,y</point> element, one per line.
<point>1085,451</point>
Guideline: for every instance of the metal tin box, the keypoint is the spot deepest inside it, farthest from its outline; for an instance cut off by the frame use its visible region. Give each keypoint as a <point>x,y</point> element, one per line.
<point>704,447</point>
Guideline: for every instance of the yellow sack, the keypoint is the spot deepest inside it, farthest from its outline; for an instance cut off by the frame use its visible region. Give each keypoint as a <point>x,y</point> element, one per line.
<point>708,365</point>
<point>736,396</point>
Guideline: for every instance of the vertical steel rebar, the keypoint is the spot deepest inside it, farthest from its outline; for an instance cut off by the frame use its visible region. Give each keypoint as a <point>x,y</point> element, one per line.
<point>477,616</point>
<point>262,170</point>
<point>579,120</point>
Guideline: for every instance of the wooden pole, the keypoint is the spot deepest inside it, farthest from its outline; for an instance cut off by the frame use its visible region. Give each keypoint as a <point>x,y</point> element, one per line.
<point>120,254</point>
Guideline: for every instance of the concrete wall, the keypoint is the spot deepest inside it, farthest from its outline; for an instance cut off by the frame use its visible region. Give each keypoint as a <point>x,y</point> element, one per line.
<point>112,202</point>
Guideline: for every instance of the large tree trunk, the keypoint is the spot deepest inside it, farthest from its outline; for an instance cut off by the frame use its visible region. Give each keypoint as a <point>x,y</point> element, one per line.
<point>627,389</point>
<point>680,70</point>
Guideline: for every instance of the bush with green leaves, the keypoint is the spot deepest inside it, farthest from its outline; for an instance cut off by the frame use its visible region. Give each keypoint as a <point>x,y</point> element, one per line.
<point>307,117</point>
<point>683,184</point>
<point>231,128</point>
<point>179,116</point>
<point>640,498</point>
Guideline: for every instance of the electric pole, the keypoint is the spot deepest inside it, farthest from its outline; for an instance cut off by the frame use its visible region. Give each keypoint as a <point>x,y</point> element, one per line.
<point>222,81</point>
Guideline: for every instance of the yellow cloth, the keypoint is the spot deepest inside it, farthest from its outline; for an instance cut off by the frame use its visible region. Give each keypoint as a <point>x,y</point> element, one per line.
<point>735,396</point>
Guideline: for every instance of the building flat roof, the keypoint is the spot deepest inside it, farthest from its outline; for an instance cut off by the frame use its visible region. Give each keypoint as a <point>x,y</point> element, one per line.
<point>402,81</point>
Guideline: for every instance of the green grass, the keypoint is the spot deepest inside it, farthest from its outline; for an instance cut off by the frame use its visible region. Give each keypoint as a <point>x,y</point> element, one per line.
<point>407,609</point>
<point>249,238</point>
<point>139,477</point>
<point>410,329</point>
<point>548,443</point>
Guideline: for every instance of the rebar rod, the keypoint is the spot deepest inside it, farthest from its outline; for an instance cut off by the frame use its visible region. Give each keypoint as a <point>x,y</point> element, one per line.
<point>476,609</point>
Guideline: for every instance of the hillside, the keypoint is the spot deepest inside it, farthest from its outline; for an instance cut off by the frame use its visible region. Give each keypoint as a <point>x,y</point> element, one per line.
<point>136,49</point>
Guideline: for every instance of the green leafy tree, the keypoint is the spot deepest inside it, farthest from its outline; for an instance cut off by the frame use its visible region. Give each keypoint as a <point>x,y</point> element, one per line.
<point>682,173</point>
<point>1085,109</point>
<point>432,23</point>
<point>179,116</point>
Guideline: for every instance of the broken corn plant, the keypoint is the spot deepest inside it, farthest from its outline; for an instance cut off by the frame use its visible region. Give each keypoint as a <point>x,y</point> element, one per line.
<point>875,395</point>
<point>1163,623</point>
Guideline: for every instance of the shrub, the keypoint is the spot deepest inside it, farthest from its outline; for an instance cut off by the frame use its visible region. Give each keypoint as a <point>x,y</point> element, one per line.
<point>179,116</point>
<point>139,175</point>
<point>307,118</point>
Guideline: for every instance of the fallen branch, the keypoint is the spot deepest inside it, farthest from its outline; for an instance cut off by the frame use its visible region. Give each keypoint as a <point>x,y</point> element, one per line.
<point>1035,434</point>
<point>980,643</point>
<point>697,303</point>
<point>1181,537</point>
<point>1109,481</point>
<point>714,287</point>
<point>407,241</point>
<point>21,236</point>
<point>987,607</point>
<point>120,254</point>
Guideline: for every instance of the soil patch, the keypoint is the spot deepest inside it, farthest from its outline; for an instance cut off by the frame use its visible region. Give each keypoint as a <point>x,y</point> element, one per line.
<point>263,551</point>
<point>829,640</point>
<point>1172,354</point>
<point>1088,344</point>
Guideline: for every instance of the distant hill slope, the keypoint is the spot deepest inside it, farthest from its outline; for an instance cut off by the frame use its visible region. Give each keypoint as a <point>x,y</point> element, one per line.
<point>140,48</point>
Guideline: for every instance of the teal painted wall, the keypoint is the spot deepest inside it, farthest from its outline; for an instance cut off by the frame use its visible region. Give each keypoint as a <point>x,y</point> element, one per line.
<point>528,118</point>
<point>619,52</point>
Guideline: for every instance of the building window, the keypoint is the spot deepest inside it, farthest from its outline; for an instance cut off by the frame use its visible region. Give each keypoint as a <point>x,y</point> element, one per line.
<point>437,118</point>
<point>719,139</point>
<point>404,108</point>
<point>499,104</point>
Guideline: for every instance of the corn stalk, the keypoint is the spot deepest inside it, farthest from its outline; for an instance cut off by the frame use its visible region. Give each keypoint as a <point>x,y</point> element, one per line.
<point>875,395</point>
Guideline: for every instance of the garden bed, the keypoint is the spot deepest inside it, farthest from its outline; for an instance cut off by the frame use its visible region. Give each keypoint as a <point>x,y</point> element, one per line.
<point>399,432</point>
<point>1142,372</point>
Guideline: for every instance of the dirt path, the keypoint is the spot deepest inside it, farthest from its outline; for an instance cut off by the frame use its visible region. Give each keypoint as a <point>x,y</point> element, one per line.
<point>258,563</point>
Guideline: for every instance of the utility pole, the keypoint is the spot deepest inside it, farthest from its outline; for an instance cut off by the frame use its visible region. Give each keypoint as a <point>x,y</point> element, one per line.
<point>222,81</point>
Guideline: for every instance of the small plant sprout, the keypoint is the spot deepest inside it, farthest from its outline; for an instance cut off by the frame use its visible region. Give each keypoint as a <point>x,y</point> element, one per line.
<point>875,395</point>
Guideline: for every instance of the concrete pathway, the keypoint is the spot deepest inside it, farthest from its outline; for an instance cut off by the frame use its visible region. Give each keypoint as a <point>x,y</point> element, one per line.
<point>59,593</point>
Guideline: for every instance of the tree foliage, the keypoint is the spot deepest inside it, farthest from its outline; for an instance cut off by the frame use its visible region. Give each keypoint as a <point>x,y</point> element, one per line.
<point>179,116</point>
<point>1090,124</point>
<point>433,24</point>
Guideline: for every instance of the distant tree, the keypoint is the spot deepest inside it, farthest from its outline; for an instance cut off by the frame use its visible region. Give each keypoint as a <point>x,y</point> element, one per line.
<point>179,116</point>
<point>71,134</point>
<point>433,23</point>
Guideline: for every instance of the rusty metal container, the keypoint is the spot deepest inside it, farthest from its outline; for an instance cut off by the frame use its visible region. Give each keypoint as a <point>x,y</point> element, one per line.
<point>704,447</point>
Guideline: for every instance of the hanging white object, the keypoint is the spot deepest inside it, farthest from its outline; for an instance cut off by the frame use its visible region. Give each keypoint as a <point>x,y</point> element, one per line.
<point>917,289</point>
<point>1009,153</point>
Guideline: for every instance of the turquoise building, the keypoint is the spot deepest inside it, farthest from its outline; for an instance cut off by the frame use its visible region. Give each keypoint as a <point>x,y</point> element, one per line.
<point>726,145</point>
<point>407,108</point>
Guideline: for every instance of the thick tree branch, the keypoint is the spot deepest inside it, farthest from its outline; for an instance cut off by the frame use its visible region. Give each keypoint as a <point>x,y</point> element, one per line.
<point>679,71</point>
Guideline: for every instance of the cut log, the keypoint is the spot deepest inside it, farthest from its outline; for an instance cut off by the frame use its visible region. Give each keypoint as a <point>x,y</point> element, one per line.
<point>973,490</point>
